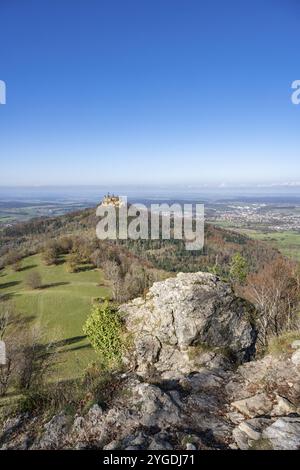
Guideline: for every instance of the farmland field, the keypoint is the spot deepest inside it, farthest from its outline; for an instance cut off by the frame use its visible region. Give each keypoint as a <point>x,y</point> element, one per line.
<point>286,241</point>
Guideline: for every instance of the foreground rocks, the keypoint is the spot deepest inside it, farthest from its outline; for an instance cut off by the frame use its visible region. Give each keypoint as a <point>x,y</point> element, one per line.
<point>186,386</point>
<point>142,416</point>
<point>213,408</point>
<point>264,404</point>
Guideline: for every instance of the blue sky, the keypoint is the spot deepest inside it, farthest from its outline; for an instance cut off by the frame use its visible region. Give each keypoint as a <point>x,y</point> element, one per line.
<point>149,91</point>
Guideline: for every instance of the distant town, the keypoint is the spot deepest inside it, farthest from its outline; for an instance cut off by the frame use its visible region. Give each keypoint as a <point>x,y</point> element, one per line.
<point>258,216</point>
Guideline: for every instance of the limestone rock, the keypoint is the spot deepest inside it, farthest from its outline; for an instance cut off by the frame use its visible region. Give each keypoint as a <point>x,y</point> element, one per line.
<point>55,431</point>
<point>160,442</point>
<point>190,446</point>
<point>283,407</point>
<point>284,433</point>
<point>256,405</point>
<point>296,358</point>
<point>248,431</point>
<point>156,407</point>
<point>184,312</point>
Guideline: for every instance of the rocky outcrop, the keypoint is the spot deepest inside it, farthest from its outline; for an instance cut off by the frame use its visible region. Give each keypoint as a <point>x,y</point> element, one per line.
<point>186,385</point>
<point>54,432</point>
<point>144,416</point>
<point>181,317</point>
<point>256,406</point>
<point>264,404</point>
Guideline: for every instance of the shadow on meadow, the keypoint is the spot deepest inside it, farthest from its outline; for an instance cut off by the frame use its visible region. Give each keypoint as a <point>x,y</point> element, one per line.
<point>54,284</point>
<point>6,285</point>
<point>26,268</point>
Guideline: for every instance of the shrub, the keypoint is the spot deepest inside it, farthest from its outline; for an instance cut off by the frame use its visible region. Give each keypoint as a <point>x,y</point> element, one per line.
<point>73,262</point>
<point>17,266</point>
<point>104,330</point>
<point>29,360</point>
<point>12,257</point>
<point>50,398</point>
<point>97,258</point>
<point>275,292</point>
<point>238,268</point>
<point>33,280</point>
<point>51,253</point>
<point>36,359</point>
<point>65,245</point>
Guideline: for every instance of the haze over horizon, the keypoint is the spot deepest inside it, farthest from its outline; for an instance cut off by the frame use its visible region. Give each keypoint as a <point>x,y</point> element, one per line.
<point>149,93</point>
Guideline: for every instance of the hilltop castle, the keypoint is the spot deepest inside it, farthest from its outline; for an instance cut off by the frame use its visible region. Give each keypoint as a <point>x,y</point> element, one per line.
<point>112,200</point>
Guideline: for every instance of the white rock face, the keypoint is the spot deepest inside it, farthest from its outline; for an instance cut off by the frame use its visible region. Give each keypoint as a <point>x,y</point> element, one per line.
<point>273,409</point>
<point>2,353</point>
<point>257,405</point>
<point>55,430</point>
<point>183,312</point>
<point>284,434</point>
<point>296,358</point>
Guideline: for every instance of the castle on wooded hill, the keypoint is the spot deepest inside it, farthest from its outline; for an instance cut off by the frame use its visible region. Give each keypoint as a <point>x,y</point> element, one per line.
<point>112,200</point>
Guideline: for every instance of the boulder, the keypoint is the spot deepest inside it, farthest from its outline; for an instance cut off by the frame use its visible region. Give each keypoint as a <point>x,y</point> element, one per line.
<point>296,358</point>
<point>257,405</point>
<point>249,431</point>
<point>184,316</point>
<point>284,434</point>
<point>55,431</point>
<point>283,407</point>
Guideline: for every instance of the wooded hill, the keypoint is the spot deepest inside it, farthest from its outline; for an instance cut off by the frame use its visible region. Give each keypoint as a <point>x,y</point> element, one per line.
<point>170,255</point>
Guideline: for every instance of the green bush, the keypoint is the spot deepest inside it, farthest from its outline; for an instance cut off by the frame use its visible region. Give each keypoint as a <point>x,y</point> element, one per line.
<point>104,330</point>
<point>238,268</point>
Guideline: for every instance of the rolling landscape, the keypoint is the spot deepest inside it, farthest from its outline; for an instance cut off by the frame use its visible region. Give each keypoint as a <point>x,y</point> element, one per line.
<point>149,233</point>
<point>54,273</point>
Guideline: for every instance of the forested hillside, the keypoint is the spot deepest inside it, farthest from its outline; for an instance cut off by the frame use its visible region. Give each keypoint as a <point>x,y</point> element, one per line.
<point>170,255</point>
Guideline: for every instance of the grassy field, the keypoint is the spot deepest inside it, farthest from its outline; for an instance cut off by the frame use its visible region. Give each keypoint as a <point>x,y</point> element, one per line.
<point>61,306</point>
<point>288,242</point>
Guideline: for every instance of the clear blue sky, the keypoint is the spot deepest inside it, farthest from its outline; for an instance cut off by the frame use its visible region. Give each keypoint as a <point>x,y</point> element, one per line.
<point>149,91</point>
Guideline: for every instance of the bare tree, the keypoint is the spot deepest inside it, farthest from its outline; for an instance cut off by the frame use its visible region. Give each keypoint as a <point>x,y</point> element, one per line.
<point>275,292</point>
<point>33,358</point>
<point>30,356</point>
<point>33,280</point>
<point>112,271</point>
<point>8,317</point>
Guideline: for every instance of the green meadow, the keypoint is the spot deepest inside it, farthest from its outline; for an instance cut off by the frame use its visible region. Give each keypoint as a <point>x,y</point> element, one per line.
<point>287,242</point>
<point>60,306</point>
